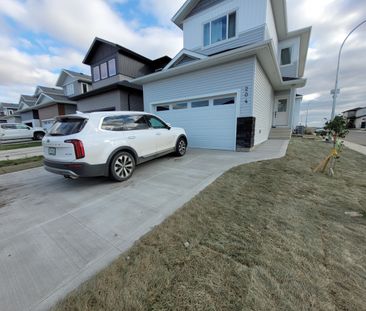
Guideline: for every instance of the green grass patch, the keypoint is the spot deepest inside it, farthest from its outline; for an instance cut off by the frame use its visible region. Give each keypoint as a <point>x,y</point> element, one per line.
<point>270,235</point>
<point>10,166</point>
<point>4,147</point>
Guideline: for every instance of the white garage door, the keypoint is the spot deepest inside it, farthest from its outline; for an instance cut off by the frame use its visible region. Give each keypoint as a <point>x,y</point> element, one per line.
<point>209,123</point>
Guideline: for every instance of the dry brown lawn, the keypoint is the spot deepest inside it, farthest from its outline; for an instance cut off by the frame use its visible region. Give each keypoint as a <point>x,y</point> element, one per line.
<point>271,235</point>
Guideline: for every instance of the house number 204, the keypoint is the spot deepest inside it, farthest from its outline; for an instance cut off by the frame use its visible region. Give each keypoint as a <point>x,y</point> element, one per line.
<point>246,94</point>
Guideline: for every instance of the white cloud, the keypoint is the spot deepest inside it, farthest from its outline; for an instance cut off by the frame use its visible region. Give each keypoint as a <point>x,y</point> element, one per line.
<point>163,10</point>
<point>74,25</point>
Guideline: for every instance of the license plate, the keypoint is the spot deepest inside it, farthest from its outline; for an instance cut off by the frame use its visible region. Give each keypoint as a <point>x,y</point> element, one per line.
<point>52,151</point>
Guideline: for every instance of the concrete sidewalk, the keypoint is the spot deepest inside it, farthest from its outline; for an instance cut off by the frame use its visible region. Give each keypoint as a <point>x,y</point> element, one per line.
<point>57,233</point>
<point>355,147</point>
<point>21,153</point>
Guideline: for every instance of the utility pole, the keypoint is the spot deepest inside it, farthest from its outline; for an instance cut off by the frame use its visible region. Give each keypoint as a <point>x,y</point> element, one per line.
<point>336,90</point>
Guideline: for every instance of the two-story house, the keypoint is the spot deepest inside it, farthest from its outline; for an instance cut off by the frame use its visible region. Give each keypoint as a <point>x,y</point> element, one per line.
<point>235,81</point>
<point>45,104</point>
<point>7,113</point>
<point>26,111</point>
<point>112,68</point>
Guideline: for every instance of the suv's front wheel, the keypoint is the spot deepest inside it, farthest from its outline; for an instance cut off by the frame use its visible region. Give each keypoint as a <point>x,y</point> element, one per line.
<point>122,166</point>
<point>181,147</point>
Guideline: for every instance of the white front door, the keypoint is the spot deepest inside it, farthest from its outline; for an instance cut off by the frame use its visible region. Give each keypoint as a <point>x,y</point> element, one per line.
<point>281,111</point>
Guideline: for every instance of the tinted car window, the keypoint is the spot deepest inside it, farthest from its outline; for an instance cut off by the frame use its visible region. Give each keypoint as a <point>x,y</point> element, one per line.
<point>67,126</point>
<point>22,127</point>
<point>125,123</point>
<point>155,122</point>
<point>8,126</point>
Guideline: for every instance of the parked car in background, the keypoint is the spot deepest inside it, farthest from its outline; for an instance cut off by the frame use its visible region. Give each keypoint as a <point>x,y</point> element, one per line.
<point>108,143</point>
<point>321,131</point>
<point>13,131</point>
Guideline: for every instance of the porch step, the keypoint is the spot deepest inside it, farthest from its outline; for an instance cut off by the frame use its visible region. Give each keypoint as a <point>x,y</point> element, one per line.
<point>280,133</point>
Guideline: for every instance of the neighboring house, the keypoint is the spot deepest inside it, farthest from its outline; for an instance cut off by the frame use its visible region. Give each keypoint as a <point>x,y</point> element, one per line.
<point>26,111</point>
<point>113,67</point>
<point>356,117</point>
<point>236,77</point>
<point>74,83</point>
<point>7,113</point>
<point>46,104</point>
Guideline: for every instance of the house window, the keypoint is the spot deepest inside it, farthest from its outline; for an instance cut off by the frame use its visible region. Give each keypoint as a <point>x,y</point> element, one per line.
<point>200,104</point>
<point>180,106</point>
<point>103,71</point>
<point>220,29</point>
<point>112,67</point>
<point>84,88</point>
<point>224,101</point>
<point>286,56</point>
<point>10,112</point>
<point>162,107</point>
<point>96,73</point>
<point>70,89</point>
<point>282,105</point>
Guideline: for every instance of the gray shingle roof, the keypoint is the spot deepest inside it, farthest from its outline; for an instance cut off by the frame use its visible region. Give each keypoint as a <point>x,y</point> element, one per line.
<point>51,90</point>
<point>79,75</point>
<point>60,98</point>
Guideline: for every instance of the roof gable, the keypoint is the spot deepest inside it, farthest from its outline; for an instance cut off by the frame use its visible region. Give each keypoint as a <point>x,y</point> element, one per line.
<point>75,76</point>
<point>103,48</point>
<point>184,57</point>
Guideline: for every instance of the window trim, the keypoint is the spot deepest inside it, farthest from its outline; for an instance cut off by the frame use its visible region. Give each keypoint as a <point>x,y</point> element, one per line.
<point>291,58</point>
<point>94,79</point>
<point>227,29</point>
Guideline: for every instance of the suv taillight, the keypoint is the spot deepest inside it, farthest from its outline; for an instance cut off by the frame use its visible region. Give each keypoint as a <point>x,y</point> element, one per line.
<point>78,147</point>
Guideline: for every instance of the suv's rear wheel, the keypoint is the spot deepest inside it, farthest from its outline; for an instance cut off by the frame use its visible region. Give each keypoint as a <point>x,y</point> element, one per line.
<point>122,166</point>
<point>181,147</point>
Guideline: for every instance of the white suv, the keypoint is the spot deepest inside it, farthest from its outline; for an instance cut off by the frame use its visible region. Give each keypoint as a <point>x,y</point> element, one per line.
<point>108,143</point>
<point>10,131</point>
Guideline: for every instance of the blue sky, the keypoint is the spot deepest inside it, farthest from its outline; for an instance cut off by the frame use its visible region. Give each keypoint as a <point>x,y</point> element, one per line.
<point>40,37</point>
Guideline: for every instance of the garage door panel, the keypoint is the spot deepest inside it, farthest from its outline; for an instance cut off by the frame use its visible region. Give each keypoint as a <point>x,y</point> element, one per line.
<point>212,127</point>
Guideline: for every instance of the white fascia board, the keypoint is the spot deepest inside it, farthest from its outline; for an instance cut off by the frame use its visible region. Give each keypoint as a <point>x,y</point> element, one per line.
<point>62,77</point>
<point>179,17</point>
<point>184,52</point>
<point>40,99</point>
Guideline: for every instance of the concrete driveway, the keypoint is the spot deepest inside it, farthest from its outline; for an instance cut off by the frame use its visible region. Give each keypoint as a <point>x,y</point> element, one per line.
<point>56,233</point>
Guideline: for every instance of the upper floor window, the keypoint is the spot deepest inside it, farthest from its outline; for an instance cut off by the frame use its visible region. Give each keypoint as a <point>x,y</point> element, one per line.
<point>112,67</point>
<point>10,112</point>
<point>70,89</point>
<point>286,56</point>
<point>220,29</point>
<point>105,70</point>
<point>96,73</point>
<point>84,88</point>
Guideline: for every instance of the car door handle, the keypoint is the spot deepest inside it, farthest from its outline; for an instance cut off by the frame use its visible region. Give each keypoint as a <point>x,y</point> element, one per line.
<point>132,137</point>
<point>159,134</point>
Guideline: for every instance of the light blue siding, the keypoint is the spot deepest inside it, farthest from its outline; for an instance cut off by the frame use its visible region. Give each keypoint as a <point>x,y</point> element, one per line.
<point>289,70</point>
<point>233,76</point>
<point>204,5</point>
<point>262,105</point>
